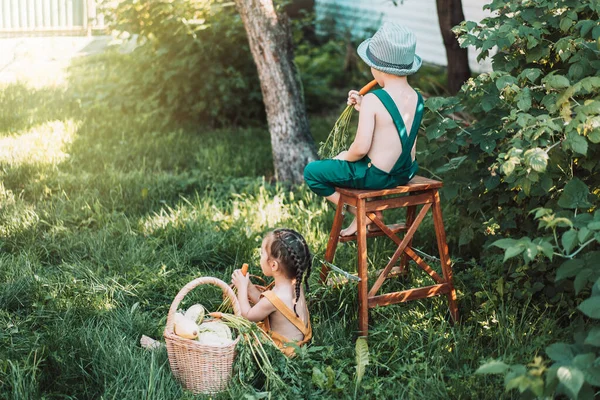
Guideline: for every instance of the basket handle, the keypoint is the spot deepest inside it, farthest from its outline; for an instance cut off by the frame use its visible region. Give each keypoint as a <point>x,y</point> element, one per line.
<point>197,282</point>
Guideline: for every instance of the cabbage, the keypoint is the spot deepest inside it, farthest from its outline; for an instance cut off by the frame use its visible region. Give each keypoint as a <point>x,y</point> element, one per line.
<point>216,327</point>
<point>211,338</point>
<point>196,313</point>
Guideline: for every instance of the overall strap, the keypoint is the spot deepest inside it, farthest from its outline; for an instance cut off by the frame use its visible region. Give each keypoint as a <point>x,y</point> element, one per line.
<point>405,158</point>
<point>285,310</point>
<point>391,107</point>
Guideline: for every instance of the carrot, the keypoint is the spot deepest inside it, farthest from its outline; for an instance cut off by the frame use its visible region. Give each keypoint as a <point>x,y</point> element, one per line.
<point>244,269</point>
<point>216,314</point>
<point>367,87</point>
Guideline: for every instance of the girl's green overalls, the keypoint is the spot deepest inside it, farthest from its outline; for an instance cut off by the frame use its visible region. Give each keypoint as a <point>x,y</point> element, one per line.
<point>323,176</point>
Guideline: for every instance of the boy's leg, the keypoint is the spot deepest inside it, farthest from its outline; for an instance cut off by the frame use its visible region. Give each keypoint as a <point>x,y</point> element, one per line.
<point>323,176</point>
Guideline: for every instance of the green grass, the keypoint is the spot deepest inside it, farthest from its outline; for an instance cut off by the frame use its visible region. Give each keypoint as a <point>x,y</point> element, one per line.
<point>105,215</point>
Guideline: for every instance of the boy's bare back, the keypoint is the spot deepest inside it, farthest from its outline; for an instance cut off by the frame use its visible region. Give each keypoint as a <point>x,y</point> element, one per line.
<point>375,121</point>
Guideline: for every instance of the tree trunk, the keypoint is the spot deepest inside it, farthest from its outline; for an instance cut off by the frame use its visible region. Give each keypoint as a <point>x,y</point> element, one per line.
<point>271,45</point>
<point>450,13</point>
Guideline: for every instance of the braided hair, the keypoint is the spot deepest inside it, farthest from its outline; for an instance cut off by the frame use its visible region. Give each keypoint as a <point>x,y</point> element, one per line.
<point>290,249</point>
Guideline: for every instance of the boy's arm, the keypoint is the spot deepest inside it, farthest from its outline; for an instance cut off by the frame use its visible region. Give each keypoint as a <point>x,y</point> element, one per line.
<point>364,134</point>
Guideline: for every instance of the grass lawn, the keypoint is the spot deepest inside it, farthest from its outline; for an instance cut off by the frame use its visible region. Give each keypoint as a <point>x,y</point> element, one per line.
<point>105,215</point>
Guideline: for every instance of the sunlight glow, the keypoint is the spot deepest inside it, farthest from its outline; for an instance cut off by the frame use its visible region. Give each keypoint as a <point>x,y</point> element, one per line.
<point>15,216</point>
<point>43,144</point>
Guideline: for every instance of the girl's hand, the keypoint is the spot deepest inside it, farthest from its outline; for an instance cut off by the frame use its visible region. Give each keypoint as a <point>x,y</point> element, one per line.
<point>354,99</point>
<point>240,281</point>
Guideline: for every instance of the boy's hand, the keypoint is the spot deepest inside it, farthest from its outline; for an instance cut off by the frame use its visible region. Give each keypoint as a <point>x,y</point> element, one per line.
<point>240,281</point>
<point>354,99</point>
<point>341,156</point>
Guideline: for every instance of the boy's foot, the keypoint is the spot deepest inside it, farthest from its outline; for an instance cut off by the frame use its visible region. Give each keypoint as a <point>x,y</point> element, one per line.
<point>353,227</point>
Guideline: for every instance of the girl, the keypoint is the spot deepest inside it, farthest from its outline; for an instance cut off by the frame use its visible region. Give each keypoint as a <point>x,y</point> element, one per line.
<point>383,152</point>
<point>285,256</point>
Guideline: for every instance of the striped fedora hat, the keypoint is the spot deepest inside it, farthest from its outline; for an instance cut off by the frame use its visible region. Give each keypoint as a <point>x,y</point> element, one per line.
<point>391,50</point>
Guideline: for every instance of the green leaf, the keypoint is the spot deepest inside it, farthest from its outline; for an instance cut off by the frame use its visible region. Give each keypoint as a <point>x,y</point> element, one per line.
<point>568,240</point>
<point>556,82</point>
<point>466,236</point>
<point>435,103</point>
<point>513,252</point>
<point>594,136</point>
<point>572,378</point>
<point>596,288</point>
<point>569,269</point>
<point>581,279</point>
<point>509,165</point>
<point>583,234</point>
<point>585,26</point>
<point>576,143</point>
<point>505,243</point>
<point>524,100</point>
<point>560,352</point>
<point>318,378</point>
<point>565,24</point>
<point>362,358</point>
<point>515,382</point>
<point>593,337</point>
<point>531,74</point>
<point>594,225</point>
<point>537,159</point>
<point>546,248</point>
<point>591,307</point>
<point>492,367</point>
<point>531,251</point>
<point>575,195</point>
<point>504,81</point>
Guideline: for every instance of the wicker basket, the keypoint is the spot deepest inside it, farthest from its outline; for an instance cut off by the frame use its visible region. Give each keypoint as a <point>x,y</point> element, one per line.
<point>200,368</point>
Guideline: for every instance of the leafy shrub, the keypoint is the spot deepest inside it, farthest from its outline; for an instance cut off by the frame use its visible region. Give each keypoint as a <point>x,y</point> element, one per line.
<point>193,64</point>
<point>524,164</point>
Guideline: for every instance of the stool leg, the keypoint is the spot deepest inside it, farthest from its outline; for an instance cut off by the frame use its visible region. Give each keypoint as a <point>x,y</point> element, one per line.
<point>334,237</point>
<point>410,218</point>
<point>440,234</point>
<point>363,296</point>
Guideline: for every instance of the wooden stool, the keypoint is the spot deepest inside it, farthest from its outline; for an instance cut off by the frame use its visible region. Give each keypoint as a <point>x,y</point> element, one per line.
<point>419,191</point>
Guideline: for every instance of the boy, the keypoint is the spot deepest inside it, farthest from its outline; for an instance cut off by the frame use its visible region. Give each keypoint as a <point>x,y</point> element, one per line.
<point>383,152</point>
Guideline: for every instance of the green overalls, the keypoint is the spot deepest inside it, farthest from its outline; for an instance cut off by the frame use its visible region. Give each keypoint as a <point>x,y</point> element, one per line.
<point>323,176</point>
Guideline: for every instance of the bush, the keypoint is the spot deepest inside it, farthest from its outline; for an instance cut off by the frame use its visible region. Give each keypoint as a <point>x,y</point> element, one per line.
<point>523,166</point>
<point>193,64</point>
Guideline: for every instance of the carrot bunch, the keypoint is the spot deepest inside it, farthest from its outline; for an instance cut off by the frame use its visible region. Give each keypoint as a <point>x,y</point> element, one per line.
<point>339,137</point>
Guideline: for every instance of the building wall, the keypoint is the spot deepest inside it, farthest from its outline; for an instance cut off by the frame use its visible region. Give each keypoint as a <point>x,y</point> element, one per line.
<point>363,17</point>
<point>26,16</point>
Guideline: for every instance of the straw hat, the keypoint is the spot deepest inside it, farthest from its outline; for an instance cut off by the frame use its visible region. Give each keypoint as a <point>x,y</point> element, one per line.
<point>391,50</point>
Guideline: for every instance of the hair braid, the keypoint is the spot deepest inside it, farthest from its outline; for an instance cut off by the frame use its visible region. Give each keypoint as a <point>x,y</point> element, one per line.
<point>301,263</point>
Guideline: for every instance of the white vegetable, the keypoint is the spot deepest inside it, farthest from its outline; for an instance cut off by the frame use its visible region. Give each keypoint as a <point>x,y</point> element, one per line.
<point>184,327</point>
<point>196,313</point>
<point>216,327</point>
<point>210,338</point>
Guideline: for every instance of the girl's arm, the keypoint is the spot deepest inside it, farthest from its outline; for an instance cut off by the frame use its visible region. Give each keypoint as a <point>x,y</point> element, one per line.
<point>253,293</point>
<point>263,307</point>
<point>364,134</point>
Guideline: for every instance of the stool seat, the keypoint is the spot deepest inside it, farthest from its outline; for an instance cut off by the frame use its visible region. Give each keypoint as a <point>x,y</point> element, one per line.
<point>416,184</point>
<point>419,192</point>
